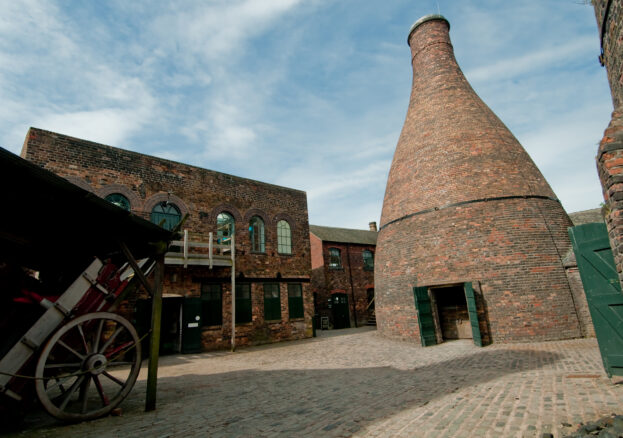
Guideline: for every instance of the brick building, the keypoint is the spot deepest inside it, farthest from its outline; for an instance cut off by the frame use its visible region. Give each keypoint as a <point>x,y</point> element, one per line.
<point>343,274</point>
<point>472,237</point>
<point>268,223</point>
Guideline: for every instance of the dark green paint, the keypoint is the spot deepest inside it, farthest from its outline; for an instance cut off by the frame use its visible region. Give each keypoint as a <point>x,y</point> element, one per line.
<point>424,316</point>
<point>473,314</point>
<point>603,292</point>
<point>191,325</point>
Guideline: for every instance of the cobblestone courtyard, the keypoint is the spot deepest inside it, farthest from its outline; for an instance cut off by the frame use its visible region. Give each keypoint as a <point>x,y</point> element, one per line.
<point>356,383</point>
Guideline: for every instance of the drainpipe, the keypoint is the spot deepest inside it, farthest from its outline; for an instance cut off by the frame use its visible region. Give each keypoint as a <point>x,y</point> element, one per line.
<point>352,289</point>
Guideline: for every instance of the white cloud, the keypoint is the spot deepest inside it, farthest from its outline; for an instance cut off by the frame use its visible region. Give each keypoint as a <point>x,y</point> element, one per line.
<point>543,59</point>
<point>109,126</point>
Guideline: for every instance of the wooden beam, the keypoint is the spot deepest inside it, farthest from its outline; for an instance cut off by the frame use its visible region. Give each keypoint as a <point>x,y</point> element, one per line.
<point>154,341</point>
<point>137,270</point>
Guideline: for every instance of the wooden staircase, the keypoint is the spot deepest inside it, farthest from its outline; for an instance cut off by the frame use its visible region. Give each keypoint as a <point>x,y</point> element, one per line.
<point>371,314</point>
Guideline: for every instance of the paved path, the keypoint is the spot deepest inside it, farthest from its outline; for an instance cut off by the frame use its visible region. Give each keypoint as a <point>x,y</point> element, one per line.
<point>356,383</point>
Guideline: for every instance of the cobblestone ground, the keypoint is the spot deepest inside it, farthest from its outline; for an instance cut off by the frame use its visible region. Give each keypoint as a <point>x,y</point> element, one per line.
<point>356,383</point>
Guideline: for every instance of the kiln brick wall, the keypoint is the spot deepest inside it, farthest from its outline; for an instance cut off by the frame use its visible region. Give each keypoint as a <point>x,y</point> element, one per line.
<point>202,193</point>
<point>464,202</point>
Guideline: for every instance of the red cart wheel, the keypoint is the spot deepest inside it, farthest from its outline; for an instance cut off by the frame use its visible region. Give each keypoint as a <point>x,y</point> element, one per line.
<point>88,367</point>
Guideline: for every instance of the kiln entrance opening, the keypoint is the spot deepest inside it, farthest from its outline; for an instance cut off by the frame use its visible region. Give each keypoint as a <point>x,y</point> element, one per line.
<point>452,314</point>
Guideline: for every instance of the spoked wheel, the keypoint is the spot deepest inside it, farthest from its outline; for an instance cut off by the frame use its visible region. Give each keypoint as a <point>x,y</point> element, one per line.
<point>88,367</point>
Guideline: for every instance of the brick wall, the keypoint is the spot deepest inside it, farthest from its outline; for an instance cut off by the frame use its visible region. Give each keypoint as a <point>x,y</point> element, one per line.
<point>464,202</point>
<point>612,44</point>
<point>351,278</point>
<point>203,194</point>
<point>610,153</point>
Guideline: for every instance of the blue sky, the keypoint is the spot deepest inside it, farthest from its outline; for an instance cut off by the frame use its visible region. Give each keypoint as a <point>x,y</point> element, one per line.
<point>309,94</point>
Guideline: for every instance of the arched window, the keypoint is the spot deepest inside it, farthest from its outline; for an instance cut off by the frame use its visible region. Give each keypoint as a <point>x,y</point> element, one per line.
<point>256,234</point>
<point>119,200</point>
<point>166,214</point>
<point>335,258</point>
<point>284,238</point>
<point>225,227</point>
<point>368,260</point>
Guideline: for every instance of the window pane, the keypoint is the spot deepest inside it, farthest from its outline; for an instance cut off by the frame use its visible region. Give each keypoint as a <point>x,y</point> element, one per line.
<point>335,259</point>
<point>256,231</point>
<point>368,260</point>
<point>166,214</point>
<point>119,200</point>
<point>295,301</point>
<point>272,302</point>
<point>243,303</point>
<point>284,238</point>
<point>225,226</point>
<point>211,304</point>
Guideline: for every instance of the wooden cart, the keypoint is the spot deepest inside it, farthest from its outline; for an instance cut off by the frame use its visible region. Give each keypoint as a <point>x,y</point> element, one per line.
<point>67,258</point>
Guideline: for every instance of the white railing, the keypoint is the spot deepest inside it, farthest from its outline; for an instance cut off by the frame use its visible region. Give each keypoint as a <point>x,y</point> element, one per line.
<point>214,252</point>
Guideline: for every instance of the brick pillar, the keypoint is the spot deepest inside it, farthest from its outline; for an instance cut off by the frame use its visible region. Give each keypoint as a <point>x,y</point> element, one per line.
<point>609,14</point>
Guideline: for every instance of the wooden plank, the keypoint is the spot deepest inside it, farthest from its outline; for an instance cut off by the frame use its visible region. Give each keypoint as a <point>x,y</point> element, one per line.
<point>425,316</point>
<point>36,336</point>
<point>154,344</point>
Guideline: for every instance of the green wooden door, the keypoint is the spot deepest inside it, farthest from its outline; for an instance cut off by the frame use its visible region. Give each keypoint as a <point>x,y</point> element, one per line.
<point>191,325</point>
<point>424,316</point>
<point>603,292</point>
<point>473,313</point>
<point>341,314</point>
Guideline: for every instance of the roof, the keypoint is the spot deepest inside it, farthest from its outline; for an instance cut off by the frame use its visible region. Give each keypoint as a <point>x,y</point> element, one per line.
<point>344,235</point>
<point>48,221</point>
<point>586,216</point>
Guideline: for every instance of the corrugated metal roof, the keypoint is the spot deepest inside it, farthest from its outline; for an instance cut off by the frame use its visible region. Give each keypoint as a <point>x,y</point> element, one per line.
<point>344,235</point>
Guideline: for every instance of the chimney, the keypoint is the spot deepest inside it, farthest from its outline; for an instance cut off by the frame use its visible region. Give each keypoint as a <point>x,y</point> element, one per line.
<point>372,226</point>
<point>465,204</point>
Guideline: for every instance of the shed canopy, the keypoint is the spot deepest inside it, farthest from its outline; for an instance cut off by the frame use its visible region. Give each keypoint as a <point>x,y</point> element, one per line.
<point>48,221</point>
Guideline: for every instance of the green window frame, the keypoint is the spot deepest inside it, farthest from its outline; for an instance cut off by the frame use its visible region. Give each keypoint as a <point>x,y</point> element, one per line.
<point>335,258</point>
<point>295,300</point>
<point>284,237</point>
<point>119,200</point>
<point>225,227</point>
<point>368,260</point>
<point>211,304</point>
<point>256,234</point>
<point>166,214</point>
<point>272,302</point>
<point>243,303</point>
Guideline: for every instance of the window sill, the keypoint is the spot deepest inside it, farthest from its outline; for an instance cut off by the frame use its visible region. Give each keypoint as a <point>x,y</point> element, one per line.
<point>212,327</point>
<point>336,268</point>
<point>285,254</point>
<point>249,323</point>
<point>297,319</point>
<point>258,253</point>
<point>272,321</point>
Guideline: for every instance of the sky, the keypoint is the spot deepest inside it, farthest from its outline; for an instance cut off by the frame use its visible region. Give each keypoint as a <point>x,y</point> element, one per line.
<point>307,94</point>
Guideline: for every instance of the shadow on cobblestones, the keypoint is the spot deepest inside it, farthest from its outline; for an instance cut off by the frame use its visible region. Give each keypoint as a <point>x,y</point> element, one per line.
<point>293,402</point>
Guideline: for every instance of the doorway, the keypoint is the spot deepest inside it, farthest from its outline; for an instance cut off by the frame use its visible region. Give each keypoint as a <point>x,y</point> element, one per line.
<point>340,312</point>
<point>452,313</point>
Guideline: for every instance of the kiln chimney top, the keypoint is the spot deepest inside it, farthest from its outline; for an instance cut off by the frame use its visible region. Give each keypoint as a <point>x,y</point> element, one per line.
<point>424,19</point>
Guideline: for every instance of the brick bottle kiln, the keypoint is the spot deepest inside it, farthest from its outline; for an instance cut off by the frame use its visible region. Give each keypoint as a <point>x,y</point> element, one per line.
<point>466,209</point>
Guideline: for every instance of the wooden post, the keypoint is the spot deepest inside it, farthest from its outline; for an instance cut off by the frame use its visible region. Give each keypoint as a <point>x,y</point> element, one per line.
<point>154,342</point>
<point>233,294</point>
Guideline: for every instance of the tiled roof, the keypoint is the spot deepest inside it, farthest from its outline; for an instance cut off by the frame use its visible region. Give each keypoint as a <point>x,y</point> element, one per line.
<point>344,235</point>
<point>586,216</point>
